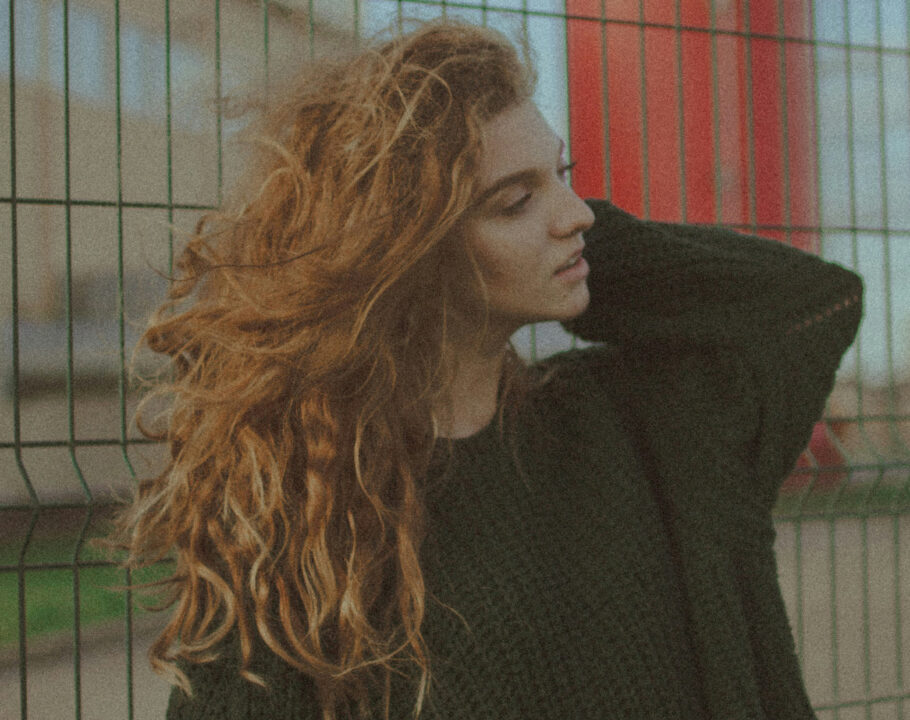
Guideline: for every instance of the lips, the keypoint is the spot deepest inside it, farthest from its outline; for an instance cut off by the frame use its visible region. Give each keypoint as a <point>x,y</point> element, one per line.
<point>570,262</point>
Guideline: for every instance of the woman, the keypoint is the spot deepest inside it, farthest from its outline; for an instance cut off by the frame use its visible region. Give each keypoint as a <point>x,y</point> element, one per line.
<point>378,510</point>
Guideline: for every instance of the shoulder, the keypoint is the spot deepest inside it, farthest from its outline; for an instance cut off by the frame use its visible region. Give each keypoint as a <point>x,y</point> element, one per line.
<point>677,399</point>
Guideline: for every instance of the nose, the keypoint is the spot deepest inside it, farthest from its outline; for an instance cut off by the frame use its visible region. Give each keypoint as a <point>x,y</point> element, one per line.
<point>572,215</point>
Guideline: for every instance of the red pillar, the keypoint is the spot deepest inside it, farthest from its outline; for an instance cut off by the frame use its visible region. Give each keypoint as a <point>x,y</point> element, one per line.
<point>666,123</point>
<point>685,124</point>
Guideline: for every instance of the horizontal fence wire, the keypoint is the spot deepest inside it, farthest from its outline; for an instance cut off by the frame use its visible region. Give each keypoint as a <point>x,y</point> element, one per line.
<point>87,254</point>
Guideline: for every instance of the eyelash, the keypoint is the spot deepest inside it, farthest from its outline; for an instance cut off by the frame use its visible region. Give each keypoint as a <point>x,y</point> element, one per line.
<point>567,168</point>
<point>516,207</point>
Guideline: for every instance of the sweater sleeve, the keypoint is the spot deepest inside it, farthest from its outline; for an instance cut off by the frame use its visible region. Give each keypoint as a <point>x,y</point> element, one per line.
<point>727,334</point>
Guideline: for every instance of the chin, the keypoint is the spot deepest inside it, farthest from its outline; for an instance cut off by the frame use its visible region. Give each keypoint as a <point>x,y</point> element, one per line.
<point>563,315</point>
<point>579,306</point>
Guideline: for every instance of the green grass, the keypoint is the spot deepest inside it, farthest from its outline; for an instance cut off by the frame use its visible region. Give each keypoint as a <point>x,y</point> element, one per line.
<point>885,496</point>
<point>50,592</point>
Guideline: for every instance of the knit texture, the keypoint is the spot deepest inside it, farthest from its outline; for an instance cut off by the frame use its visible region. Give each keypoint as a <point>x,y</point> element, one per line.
<point>609,554</point>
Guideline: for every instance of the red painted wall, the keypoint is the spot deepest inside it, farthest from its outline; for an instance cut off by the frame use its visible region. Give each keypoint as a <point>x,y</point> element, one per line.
<point>673,122</point>
<point>652,104</point>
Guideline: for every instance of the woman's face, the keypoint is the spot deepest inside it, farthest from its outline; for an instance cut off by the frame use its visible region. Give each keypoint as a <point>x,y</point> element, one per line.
<point>525,231</point>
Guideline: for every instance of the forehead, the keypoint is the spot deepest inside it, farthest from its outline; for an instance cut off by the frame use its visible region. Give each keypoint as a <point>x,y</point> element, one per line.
<point>516,139</point>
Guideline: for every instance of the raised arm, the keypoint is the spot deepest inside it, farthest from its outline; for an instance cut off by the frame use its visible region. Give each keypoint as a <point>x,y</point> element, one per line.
<point>660,282</point>
<point>720,327</point>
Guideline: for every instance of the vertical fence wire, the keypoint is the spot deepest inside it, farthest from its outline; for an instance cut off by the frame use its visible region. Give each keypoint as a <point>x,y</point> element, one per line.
<point>311,28</point>
<point>643,100</point>
<point>879,91</point>
<point>784,120</point>
<point>785,145</point>
<point>896,518</point>
<point>715,117</point>
<point>604,70</point>
<point>70,384</point>
<point>169,130</point>
<point>750,113</point>
<point>680,112</point>
<point>219,105</point>
<point>851,180</point>
<point>122,380</point>
<point>265,45</point>
<point>804,496</point>
<point>21,627</point>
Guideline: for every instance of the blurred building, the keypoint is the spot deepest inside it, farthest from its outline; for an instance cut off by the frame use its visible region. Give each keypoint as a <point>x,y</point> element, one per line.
<point>105,174</point>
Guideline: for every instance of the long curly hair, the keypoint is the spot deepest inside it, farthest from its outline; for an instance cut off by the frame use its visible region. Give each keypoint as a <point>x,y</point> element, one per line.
<point>306,333</point>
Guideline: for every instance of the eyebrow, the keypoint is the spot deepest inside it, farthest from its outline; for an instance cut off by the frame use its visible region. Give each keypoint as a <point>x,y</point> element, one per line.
<point>520,177</point>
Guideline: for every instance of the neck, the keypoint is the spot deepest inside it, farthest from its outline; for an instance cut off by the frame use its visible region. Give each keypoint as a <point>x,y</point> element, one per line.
<point>471,402</point>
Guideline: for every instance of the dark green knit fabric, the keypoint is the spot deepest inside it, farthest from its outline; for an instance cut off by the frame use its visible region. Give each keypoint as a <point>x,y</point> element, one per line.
<point>624,566</point>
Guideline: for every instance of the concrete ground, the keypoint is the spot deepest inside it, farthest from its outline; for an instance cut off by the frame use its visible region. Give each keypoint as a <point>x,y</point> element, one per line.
<point>854,624</point>
<point>50,679</point>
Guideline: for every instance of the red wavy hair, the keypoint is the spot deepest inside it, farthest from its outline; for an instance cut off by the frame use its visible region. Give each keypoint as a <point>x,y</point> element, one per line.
<point>306,330</point>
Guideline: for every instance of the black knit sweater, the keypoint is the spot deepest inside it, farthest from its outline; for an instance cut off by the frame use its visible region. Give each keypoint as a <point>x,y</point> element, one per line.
<point>611,554</point>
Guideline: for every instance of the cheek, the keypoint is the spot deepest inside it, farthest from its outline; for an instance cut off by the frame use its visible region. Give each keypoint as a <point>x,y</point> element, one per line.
<point>495,269</point>
<point>504,257</point>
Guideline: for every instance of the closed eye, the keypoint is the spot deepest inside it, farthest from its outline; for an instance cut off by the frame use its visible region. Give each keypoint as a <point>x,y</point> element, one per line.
<point>516,207</point>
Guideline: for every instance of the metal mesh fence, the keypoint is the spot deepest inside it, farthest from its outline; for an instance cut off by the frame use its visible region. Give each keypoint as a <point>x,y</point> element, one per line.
<point>788,118</point>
